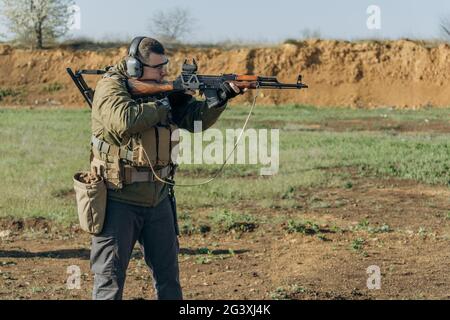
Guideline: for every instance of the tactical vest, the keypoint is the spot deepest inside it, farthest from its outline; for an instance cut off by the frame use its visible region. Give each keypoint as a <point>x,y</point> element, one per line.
<point>130,163</point>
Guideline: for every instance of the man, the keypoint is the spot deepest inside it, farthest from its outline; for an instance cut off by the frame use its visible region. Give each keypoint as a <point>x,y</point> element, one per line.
<point>131,139</point>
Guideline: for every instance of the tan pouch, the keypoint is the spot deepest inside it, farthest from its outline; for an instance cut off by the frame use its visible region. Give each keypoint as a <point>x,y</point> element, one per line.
<point>147,149</point>
<point>90,191</point>
<point>164,146</point>
<point>157,145</point>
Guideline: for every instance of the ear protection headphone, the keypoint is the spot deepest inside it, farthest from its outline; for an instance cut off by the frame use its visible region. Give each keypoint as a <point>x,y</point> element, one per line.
<point>135,68</point>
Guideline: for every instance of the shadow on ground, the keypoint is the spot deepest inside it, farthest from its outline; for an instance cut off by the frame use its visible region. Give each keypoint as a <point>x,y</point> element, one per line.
<point>57,254</point>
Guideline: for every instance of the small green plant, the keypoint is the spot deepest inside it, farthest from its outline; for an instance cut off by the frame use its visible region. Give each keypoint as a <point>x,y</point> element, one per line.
<point>383,228</point>
<point>232,221</point>
<point>365,225</point>
<point>202,260</point>
<point>38,289</point>
<point>289,194</point>
<point>184,215</point>
<point>53,87</point>
<point>321,205</point>
<point>317,203</point>
<point>422,232</point>
<point>348,185</point>
<point>204,228</point>
<point>296,289</point>
<point>282,293</point>
<point>358,244</point>
<point>204,251</point>
<point>340,204</point>
<point>8,93</point>
<point>336,229</point>
<point>188,227</point>
<point>279,294</point>
<point>322,237</point>
<point>303,227</point>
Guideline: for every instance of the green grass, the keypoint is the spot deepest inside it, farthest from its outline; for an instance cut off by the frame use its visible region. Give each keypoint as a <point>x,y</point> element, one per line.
<point>41,149</point>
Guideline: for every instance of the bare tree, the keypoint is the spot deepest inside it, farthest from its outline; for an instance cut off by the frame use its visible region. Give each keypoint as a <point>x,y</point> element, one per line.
<point>310,34</point>
<point>445,27</point>
<point>35,22</point>
<point>171,25</point>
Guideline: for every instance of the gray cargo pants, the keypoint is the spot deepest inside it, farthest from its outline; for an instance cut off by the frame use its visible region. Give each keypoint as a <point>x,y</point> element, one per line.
<point>111,250</point>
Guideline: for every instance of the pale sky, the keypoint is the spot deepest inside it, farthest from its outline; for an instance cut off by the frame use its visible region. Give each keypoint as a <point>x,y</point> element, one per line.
<point>265,20</point>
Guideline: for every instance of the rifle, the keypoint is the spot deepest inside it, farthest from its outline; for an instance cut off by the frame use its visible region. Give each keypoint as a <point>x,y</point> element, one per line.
<point>189,80</point>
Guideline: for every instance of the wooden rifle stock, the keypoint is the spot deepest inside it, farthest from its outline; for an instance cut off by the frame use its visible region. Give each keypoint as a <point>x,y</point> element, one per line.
<point>147,88</point>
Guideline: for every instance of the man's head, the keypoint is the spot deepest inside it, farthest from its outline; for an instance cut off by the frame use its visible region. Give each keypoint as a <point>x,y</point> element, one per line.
<point>151,54</point>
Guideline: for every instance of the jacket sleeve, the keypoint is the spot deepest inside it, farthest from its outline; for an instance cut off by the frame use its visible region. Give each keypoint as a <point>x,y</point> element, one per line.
<point>119,113</point>
<point>186,110</point>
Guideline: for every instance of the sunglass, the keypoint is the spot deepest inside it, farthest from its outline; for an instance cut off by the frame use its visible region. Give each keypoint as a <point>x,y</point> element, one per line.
<point>157,66</point>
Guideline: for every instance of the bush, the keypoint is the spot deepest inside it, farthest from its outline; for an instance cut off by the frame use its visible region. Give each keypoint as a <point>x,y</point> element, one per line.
<point>304,227</point>
<point>232,221</point>
<point>8,93</point>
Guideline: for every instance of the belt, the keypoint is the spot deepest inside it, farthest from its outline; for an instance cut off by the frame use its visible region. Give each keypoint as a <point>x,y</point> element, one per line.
<point>133,175</point>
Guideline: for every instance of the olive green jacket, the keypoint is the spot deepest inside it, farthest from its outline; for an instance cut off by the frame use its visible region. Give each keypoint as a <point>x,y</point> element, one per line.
<point>116,117</point>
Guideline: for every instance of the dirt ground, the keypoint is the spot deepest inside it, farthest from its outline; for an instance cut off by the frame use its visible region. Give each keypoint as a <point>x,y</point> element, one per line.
<point>268,263</point>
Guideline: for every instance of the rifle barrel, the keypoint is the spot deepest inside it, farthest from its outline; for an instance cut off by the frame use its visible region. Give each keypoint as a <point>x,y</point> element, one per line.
<point>279,85</point>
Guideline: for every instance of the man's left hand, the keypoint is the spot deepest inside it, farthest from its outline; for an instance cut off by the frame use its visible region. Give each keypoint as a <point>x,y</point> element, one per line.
<point>229,90</point>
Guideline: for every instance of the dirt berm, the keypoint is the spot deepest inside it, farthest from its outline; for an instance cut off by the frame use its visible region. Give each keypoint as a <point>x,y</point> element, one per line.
<point>364,74</point>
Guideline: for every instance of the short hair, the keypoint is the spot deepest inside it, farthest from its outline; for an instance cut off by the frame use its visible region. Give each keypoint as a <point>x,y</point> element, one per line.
<point>147,46</point>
